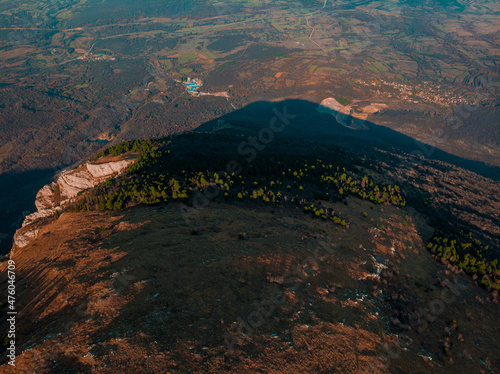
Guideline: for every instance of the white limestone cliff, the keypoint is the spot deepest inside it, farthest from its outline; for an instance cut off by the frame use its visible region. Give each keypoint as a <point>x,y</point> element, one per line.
<point>67,185</point>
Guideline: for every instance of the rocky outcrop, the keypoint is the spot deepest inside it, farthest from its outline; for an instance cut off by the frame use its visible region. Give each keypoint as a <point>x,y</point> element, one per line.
<point>43,197</point>
<point>344,114</point>
<point>22,239</point>
<point>68,184</point>
<point>44,213</point>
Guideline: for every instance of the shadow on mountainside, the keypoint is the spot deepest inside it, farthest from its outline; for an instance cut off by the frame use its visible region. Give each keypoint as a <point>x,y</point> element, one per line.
<point>260,121</point>
<point>17,198</point>
<point>300,119</point>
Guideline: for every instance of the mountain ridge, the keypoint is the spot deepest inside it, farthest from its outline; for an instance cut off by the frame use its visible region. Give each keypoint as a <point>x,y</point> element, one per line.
<point>203,258</point>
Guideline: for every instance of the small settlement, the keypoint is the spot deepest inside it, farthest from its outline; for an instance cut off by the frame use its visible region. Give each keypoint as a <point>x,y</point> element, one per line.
<point>194,84</point>
<point>96,57</point>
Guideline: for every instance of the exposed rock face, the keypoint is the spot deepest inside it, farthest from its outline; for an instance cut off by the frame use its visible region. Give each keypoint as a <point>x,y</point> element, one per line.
<point>343,113</point>
<point>67,185</point>
<point>22,239</point>
<point>29,219</point>
<point>331,103</point>
<point>70,182</point>
<point>43,200</point>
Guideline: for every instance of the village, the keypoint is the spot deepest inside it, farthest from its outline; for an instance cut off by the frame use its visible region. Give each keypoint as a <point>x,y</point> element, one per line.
<point>424,93</point>
<point>96,57</point>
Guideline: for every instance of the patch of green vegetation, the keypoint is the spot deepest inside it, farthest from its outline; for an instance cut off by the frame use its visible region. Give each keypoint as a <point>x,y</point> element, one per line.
<point>162,174</point>
<point>184,59</point>
<point>343,101</point>
<point>104,51</point>
<point>65,15</point>
<point>138,145</point>
<point>468,254</point>
<point>326,214</point>
<point>440,27</point>
<point>380,67</point>
<point>277,26</point>
<point>225,64</point>
<point>186,71</point>
<point>271,54</point>
<point>312,69</point>
<point>167,65</point>
<point>209,54</point>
